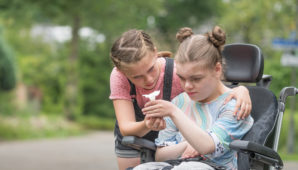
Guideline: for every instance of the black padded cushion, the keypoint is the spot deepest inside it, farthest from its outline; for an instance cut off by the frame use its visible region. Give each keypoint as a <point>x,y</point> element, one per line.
<point>244,63</point>
<point>264,112</point>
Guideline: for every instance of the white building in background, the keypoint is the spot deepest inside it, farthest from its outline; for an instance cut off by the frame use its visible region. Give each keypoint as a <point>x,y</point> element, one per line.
<point>62,34</point>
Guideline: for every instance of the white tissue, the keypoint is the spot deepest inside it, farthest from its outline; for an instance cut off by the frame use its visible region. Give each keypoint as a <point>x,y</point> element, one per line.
<point>152,95</point>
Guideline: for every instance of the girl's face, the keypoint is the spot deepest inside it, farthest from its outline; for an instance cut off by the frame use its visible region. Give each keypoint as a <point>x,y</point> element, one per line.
<point>144,73</point>
<point>200,83</point>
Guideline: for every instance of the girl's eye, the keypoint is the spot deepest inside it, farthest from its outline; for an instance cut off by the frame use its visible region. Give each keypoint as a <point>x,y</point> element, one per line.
<point>196,79</point>
<point>151,69</point>
<point>138,77</point>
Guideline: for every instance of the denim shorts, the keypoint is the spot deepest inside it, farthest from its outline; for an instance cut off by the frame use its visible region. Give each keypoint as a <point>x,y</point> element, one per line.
<point>126,153</point>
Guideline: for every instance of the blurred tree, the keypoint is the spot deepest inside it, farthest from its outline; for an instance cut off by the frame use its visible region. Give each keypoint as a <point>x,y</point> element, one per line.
<point>7,67</point>
<point>7,77</point>
<point>252,23</point>
<point>184,13</point>
<point>108,17</point>
<point>249,22</point>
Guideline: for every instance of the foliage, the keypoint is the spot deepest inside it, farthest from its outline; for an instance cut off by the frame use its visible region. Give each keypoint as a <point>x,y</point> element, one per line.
<point>95,68</point>
<point>96,123</point>
<point>7,68</point>
<point>27,127</point>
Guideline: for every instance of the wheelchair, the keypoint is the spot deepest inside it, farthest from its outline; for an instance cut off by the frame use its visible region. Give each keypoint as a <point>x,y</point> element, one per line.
<point>258,148</point>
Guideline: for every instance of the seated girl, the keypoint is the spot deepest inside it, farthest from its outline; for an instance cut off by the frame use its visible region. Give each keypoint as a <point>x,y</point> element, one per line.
<point>198,122</point>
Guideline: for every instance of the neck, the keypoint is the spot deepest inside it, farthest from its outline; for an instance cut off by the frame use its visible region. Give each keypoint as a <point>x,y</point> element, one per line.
<point>219,90</point>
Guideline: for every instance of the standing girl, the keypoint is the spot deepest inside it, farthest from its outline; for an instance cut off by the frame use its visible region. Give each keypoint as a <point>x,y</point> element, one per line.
<point>139,70</point>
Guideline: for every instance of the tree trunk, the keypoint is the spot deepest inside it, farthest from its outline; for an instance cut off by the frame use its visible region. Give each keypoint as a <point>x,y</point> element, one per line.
<point>71,97</point>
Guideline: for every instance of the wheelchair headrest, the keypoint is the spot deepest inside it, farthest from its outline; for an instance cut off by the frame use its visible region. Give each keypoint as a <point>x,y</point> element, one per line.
<point>244,63</point>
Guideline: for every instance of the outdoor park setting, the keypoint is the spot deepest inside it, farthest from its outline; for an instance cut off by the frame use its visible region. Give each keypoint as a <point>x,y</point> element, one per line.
<point>55,67</point>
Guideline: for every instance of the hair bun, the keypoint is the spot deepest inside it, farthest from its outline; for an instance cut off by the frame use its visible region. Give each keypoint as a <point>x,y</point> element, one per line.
<point>183,34</point>
<point>217,37</point>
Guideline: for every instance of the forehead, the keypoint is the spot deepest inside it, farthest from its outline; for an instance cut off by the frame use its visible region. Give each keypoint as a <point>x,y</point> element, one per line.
<point>189,69</point>
<point>141,66</point>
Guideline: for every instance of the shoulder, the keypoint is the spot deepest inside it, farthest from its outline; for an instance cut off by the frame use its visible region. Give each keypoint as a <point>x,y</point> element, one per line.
<point>119,85</point>
<point>118,77</point>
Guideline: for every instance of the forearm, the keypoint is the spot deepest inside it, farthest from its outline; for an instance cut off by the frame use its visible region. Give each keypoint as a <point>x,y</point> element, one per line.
<point>170,152</point>
<point>194,135</point>
<point>134,129</point>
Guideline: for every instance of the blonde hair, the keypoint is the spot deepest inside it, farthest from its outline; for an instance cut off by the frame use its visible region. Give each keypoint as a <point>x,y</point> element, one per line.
<point>131,47</point>
<point>207,47</point>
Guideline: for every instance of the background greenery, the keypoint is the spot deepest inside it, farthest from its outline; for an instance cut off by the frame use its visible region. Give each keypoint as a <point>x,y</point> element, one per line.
<point>60,88</point>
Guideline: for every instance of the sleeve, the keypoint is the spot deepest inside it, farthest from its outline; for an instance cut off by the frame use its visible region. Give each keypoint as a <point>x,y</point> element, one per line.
<point>119,86</point>
<point>227,128</point>
<point>170,135</point>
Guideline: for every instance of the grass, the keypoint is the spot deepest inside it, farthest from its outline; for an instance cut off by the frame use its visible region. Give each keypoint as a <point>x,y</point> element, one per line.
<point>95,122</point>
<point>28,127</point>
<point>283,138</point>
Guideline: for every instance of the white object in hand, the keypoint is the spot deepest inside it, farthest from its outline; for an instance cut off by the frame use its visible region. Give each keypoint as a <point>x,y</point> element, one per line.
<point>152,95</point>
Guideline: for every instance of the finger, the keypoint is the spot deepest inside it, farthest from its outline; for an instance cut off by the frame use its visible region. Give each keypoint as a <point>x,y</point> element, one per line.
<point>154,115</point>
<point>237,107</point>
<point>151,121</point>
<point>163,124</point>
<point>156,123</point>
<point>150,108</point>
<point>247,111</point>
<point>241,112</point>
<point>160,126</point>
<point>151,103</point>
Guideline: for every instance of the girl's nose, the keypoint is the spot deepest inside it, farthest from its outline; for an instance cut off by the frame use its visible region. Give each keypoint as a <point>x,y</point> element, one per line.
<point>188,85</point>
<point>149,79</point>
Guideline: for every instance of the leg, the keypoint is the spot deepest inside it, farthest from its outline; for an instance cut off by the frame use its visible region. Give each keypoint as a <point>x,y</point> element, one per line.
<point>193,166</point>
<point>153,166</point>
<point>124,163</point>
<point>127,158</point>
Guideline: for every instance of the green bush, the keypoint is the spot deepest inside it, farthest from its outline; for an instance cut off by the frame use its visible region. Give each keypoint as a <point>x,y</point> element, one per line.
<point>96,123</point>
<point>28,127</point>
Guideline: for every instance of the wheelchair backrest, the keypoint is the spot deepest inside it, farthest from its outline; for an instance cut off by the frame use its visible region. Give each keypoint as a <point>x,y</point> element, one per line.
<point>244,63</point>
<point>265,114</point>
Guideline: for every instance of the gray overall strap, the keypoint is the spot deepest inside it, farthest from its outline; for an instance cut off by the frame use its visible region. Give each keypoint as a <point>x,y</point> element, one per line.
<point>167,87</point>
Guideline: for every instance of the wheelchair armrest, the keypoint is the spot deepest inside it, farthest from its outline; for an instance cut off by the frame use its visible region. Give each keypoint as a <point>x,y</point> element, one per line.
<point>265,81</point>
<point>258,153</point>
<point>138,143</point>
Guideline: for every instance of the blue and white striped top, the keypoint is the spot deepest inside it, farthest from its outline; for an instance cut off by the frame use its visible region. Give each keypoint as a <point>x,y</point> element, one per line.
<point>216,119</point>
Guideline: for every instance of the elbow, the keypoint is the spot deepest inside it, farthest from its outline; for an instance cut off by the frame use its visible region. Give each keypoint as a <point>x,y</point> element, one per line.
<point>209,148</point>
<point>124,132</point>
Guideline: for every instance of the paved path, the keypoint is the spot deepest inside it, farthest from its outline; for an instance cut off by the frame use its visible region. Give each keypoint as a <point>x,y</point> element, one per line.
<point>89,152</point>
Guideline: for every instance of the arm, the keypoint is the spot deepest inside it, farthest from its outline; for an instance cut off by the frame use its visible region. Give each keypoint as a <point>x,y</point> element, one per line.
<point>125,115</point>
<point>243,106</point>
<point>201,141</point>
<point>170,152</point>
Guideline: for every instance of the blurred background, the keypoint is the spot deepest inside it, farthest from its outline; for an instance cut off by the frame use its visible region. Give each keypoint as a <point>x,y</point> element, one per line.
<point>55,66</point>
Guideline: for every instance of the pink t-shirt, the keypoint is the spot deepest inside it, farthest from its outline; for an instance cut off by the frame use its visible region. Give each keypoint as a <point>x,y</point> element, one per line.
<point>120,88</point>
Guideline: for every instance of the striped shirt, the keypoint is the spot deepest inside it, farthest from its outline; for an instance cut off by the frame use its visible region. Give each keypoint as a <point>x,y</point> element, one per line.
<point>217,119</point>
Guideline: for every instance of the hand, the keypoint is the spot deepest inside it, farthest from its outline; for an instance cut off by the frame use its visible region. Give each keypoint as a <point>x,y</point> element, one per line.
<point>189,152</point>
<point>155,123</point>
<point>243,101</point>
<point>159,108</point>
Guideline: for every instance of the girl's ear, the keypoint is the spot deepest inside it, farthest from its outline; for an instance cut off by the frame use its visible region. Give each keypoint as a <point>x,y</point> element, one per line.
<point>218,69</point>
